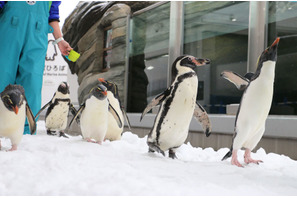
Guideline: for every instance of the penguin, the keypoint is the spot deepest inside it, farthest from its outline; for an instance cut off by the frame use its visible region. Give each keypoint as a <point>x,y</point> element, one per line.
<point>177,106</point>
<point>113,131</point>
<point>254,106</point>
<point>57,113</point>
<point>94,115</point>
<point>13,111</point>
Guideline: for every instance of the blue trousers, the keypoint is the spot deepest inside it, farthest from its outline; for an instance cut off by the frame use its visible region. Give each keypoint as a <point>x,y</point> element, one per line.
<point>23,46</point>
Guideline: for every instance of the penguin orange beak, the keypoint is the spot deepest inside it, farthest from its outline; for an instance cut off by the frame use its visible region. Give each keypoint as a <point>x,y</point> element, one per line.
<point>200,62</point>
<point>101,79</point>
<point>275,42</point>
<point>105,93</point>
<point>15,109</point>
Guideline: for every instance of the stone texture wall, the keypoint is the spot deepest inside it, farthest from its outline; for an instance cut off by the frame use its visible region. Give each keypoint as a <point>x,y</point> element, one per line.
<point>84,30</point>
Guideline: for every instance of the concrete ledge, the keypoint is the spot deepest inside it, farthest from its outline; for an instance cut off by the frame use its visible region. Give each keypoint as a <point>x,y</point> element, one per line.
<point>280,136</point>
<point>276,125</point>
<point>281,146</point>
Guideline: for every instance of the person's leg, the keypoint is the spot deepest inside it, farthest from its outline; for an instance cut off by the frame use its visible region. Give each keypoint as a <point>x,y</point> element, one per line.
<point>10,47</point>
<point>31,66</point>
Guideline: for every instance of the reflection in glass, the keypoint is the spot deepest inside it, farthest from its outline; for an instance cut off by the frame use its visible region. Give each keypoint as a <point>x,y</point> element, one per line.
<point>283,23</point>
<point>148,56</point>
<point>217,31</point>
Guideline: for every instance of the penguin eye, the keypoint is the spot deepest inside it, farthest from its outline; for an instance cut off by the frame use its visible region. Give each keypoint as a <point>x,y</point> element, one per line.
<point>189,60</point>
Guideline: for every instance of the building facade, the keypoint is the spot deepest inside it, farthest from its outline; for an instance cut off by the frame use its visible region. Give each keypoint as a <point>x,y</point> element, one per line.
<point>232,35</point>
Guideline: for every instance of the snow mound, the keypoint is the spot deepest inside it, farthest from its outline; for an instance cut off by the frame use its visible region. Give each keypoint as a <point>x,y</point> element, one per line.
<point>45,165</point>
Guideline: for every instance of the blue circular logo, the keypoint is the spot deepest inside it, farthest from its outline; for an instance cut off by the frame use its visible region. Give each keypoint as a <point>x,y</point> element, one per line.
<point>31,2</point>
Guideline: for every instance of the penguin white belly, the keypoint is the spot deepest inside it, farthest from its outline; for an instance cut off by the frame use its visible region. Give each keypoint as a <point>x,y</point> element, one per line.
<point>254,109</point>
<point>11,124</point>
<point>175,124</point>
<point>57,119</point>
<point>114,131</point>
<point>94,119</point>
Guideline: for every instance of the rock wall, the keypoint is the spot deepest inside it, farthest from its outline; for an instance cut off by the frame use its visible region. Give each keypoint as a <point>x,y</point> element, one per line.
<point>84,30</point>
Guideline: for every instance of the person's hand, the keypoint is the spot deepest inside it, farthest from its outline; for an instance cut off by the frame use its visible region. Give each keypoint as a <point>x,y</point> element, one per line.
<point>64,47</point>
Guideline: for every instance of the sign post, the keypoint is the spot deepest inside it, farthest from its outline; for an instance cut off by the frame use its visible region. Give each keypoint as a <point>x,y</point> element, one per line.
<point>55,71</point>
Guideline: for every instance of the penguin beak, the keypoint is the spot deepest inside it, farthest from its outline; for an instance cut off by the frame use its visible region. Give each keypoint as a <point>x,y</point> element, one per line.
<point>200,62</point>
<point>15,109</point>
<point>101,79</point>
<point>105,93</point>
<point>271,51</point>
<point>273,47</point>
<point>275,43</point>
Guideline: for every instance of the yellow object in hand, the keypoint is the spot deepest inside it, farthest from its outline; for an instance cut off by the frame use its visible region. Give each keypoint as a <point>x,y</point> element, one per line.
<point>73,56</point>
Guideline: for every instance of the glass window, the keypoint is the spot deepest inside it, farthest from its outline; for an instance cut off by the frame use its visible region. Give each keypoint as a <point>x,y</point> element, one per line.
<point>283,23</point>
<point>218,31</point>
<point>148,56</point>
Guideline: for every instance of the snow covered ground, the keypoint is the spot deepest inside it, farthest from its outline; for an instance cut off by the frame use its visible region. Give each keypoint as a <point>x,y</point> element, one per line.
<point>45,165</point>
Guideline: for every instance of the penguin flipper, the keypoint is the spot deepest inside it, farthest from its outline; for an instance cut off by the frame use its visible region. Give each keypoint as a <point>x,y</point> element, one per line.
<point>202,117</point>
<point>115,115</point>
<point>31,119</point>
<point>240,82</point>
<point>81,108</point>
<point>44,107</point>
<point>249,75</point>
<point>126,117</point>
<point>156,101</point>
<point>72,109</point>
<point>153,147</point>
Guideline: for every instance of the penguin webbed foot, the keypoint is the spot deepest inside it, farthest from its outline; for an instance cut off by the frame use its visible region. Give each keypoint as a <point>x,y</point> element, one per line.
<point>62,134</point>
<point>248,159</point>
<point>172,154</point>
<point>234,160</point>
<point>13,148</point>
<point>49,132</point>
<point>207,132</point>
<point>93,141</point>
<point>153,148</point>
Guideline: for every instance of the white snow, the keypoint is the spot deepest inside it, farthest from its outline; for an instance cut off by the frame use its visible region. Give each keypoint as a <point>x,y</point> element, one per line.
<point>49,165</point>
<point>65,9</point>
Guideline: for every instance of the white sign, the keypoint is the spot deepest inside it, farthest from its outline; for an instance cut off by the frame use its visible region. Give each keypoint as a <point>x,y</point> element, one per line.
<point>55,71</point>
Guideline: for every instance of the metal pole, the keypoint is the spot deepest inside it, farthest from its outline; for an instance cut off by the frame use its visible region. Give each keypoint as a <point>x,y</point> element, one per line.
<point>127,61</point>
<point>176,30</point>
<point>257,39</point>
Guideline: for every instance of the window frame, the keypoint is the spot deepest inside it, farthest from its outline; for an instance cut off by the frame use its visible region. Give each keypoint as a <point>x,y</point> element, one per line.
<point>105,50</point>
<point>257,39</point>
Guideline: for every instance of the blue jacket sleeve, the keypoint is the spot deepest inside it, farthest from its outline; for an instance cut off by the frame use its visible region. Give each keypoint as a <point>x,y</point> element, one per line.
<point>2,4</point>
<point>54,11</point>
